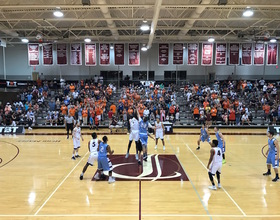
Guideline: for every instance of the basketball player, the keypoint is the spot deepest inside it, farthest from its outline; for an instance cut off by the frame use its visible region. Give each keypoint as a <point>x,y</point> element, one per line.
<point>215,164</point>
<point>159,131</point>
<point>272,155</point>
<point>134,135</point>
<point>92,148</point>
<point>204,136</point>
<point>221,142</point>
<point>77,135</point>
<point>104,163</point>
<point>144,125</point>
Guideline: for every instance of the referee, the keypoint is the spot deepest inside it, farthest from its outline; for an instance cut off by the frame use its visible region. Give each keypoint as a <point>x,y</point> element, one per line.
<point>69,124</point>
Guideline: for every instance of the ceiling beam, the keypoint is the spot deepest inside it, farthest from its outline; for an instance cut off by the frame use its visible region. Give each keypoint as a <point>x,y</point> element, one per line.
<point>62,6</point>
<point>154,22</point>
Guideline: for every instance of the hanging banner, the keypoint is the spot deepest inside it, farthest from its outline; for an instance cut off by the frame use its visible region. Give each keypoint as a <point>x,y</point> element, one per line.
<point>259,54</point>
<point>272,54</point>
<point>76,54</point>
<point>61,54</point>
<point>163,54</point>
<point>193,53</point>
<point>234,53</point>
<point>133,54</point>
<point>119,54</point>
<point>246,54</point>
<point>221,54</point>
<point>90,54</point>
<point>178,53</point>
<point>33,54</point>
<point>48,54</point>
<point>104,54</point>
<point>207,54</point>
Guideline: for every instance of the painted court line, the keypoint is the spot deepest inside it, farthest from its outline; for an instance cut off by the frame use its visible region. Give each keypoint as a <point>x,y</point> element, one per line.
<point>244,214</point>
<point>204,206</point>
<point>59,185</point>
<point>146,215</point>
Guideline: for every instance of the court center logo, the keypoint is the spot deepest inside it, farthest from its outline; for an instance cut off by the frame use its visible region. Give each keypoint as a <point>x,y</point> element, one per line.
<point>157,168</point>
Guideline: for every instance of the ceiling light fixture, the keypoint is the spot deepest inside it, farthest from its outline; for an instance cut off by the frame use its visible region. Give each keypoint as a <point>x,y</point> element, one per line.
<point>87,40</point>
<point>248,12</point>
<point>144,48</point>
<point>273,40</point>
<point>211,39</point>
<point>24,40</point>
<point>145,27</point>
<point>112,47</point>
<point>58,13</point>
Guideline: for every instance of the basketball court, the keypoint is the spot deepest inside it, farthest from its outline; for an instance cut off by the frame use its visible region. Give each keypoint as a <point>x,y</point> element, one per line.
<point>40,181</point>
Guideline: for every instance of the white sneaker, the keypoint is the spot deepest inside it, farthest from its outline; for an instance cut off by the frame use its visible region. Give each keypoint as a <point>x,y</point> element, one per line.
<point>163,148</point>
<point>219,185</point>
<point>96,176</point>
<point>212,187</point>
<point>136,156</point>
<point>111,180</point>
<point>155,147</point>
<point>127,155</point>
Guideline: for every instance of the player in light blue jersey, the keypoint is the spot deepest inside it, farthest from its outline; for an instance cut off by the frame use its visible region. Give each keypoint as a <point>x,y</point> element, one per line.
<point>104,163</point>
<point>144,126</point>
<point>221,142</point>
<point>272,155</point>
<point>204,136</point>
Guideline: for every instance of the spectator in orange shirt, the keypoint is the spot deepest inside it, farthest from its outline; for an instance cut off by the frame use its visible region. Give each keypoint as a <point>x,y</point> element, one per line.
<point>113,108</point>
<point>225,104</point>
<point>214,115</point>
<point>266,109</point>
<point>72,88</point>
<point>64,109</point>
<point>72,111</point>
<point>196,113</point>
<point>85,115</point>
<point>231,116</point>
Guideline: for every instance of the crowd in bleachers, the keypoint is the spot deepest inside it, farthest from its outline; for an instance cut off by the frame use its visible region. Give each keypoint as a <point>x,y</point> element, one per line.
<point>226,102</point>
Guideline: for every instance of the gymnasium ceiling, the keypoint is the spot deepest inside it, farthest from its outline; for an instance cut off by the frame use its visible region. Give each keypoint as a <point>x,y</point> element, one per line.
<point>120,20</point>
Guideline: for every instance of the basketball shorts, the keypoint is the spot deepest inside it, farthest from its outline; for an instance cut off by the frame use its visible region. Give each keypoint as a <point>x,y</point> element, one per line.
<point>159,134</point>
<point>223,148</point>
<point>92,158</point>
<point>134,135</point>
<point>271,159</point>
<point>76,143</point>
<point>208,139</point>
<point>104,164</point>
<point>214,167</point>
<point>144,139</point>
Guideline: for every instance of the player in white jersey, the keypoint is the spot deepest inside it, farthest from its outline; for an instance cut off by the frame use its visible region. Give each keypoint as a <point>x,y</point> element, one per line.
<point>215,164</point>
<point>92,148</point>
<point>159,132</point>
<point>134,135</point>
<point>77,135</point>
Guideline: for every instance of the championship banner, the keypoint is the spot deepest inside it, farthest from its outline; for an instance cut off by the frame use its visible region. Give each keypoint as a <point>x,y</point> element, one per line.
<point>104,54</point>
<point>48,54</point>
<point>76,54</point>
<point>207,54</point>
<point>90,54</point>
<point>163,54</point>
<point>272,54</point>
<point>61,54</point>
<point>33,54</point>
<point>119,54</point>
<point>221,54</point>
<point>193,53</point>
<point>234,53</point>
<point>133,54</point>
<point>246,54</point>
<point>178,53</point>
<point>259,54</point>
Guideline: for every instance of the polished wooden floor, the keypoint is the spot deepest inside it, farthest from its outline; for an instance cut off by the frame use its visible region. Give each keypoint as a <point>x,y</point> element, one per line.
<point>42,182</point>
